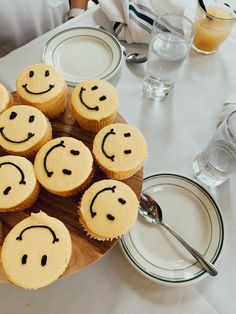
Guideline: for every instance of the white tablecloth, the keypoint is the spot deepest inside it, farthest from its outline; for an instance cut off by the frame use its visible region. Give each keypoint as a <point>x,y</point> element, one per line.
<point>176,129</point>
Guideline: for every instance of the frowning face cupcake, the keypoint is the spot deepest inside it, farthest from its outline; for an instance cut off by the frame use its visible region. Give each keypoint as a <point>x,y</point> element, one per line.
<point>36,251</point>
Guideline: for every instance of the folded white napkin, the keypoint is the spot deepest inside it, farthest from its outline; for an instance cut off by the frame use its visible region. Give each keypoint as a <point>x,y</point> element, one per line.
<point>228,107</point>
<point>133,19</point>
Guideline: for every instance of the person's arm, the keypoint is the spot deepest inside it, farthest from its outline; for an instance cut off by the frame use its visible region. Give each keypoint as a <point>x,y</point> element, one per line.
<point>77,7</point>
<point>79,4</point>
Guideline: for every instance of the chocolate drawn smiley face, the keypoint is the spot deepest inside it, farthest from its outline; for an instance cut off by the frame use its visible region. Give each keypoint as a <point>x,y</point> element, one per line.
<point>63,164</point>
<point>21,127</point>
<point>119,147</point>
<point>108,215</point>
<point>17,182</point>
<point>36,251</point>
<point>94,97</point>
<point>39,82</point>
<point>108,208</point>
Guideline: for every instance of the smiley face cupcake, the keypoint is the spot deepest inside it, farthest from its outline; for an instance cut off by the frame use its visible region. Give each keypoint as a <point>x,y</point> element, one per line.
<point>36,251</point>
<point>64,166</point>
<point>5,98</point>
<point>94,104</point>
<point>108,209</point>
<point>19,188</point>
<point>42,86</point>
<point>120,150</point>
<point>23,130</point>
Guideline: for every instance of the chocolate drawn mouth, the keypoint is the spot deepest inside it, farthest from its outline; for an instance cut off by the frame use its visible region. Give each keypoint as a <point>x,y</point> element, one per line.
<point>111,132</point>
<point>15,142</point>
<point>82,100</point>
<point>92,212</point>
<point>38,93</point>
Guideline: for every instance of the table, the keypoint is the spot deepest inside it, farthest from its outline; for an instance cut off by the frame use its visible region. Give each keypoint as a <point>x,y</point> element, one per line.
<point>176,129</point>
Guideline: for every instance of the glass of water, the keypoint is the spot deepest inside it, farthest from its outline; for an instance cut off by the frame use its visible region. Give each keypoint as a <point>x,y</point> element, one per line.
<point>217,161</point>
<point>171,38</point>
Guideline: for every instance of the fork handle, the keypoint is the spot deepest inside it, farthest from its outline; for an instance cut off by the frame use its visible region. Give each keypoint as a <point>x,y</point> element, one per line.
<point>208,266</point>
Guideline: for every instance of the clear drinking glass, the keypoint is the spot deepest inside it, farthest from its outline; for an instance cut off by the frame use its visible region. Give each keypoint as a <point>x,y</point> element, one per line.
<point>171,38</point>
<point>217,161</point>
<point>213,26</point>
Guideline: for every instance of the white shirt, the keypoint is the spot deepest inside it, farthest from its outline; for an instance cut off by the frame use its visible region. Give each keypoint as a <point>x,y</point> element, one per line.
<point>23,20</point>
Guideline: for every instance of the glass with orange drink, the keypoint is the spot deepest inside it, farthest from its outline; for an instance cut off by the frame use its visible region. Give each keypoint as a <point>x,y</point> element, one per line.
<point>213,26</point>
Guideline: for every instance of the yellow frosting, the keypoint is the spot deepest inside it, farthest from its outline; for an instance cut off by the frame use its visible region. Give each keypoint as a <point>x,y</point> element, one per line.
<point>94,99</point>
<point>19,123</point>
<point>40,83</point>
<point>4,98</point>
<point>108,209</point>
<point>12,180</point>
<point>80,164</point>
<point>120,147</point>
<point>36,240</point>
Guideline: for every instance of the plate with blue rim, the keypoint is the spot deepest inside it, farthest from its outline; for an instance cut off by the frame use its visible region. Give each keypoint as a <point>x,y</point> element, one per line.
<point>191,210</point>
<point>84,53</point>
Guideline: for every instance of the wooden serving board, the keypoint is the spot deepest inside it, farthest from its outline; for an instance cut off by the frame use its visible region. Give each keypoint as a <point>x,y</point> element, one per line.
<point>84,249</point>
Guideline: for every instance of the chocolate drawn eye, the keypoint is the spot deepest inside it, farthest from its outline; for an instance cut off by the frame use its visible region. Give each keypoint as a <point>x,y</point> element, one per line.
<point>127,151</point>
<point>31,74</point>
<point>67,171</point>
<point>46,73</point>
<point>31,119</point>
<point>44,260</point>
<point>13,115</point>
<point>102,98</point>
<point>7,190</point>
<point>110,217</point>
<point>127,134</point>
<point>24,259</point>
<point>74,152</point>
<point>94,87</point>
<point>121,200</point>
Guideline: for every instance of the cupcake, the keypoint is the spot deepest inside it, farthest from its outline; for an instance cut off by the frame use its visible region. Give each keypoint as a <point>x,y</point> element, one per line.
<point>19,188</point>
<point>36,251</point>
<point>64,166</point>
<point>1,231</point>
<point>94,104</point>
<point>42,86</point>
<point>108,209</point>
<point>120,150</point>
<point>5,98</point>
<point>23,130</point>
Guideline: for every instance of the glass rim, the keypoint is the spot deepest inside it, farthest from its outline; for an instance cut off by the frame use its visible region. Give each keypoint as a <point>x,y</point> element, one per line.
<point>229,116</point>
<point>179,15</point>
<point>233,136</point>
<point>159,17</point>
<point>215,17</point>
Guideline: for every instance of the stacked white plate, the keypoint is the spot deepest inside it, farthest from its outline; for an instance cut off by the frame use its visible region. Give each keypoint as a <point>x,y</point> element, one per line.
<point>83,53</point>
<point>193,213</point>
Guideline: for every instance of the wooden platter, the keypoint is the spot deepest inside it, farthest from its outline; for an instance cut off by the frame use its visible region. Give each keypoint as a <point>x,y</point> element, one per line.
<point>85,250</point>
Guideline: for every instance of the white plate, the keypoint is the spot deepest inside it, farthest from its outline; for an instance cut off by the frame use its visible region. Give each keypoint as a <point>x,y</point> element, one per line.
<point>193,213</point>
<point>84,53</point>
